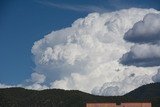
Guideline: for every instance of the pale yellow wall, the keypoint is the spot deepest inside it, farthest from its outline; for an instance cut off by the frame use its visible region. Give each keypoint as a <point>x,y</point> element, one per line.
<point>101,105</point>
<point>122,105</point>
<point>135,104</point>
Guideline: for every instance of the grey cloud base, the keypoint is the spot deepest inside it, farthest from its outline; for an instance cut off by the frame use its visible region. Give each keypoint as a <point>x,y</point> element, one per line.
<point>147,62</point>
<point>142,55</point>
<point>145,31</point>
<point>146,35</point>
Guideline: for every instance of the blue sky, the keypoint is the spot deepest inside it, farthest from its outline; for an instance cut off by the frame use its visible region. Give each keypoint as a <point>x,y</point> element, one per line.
<point>22,22</point>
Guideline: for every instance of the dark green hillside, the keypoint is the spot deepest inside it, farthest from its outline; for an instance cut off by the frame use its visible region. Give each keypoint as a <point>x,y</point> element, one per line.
<point>19,97</point>
<point>150,92</point>
<point>145,91</point>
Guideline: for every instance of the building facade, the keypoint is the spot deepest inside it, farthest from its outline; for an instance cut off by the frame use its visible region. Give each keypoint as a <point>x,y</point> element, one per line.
<point>121,105</point>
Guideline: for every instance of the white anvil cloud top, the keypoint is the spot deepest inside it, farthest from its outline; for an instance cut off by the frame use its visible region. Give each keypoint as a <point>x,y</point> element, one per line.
<point>86,55</point>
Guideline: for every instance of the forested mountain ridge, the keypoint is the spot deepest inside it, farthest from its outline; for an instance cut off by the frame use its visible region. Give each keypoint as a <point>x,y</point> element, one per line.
<point>19,97</point>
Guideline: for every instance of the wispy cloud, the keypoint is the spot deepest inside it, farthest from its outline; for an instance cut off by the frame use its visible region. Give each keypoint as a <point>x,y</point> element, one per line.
<point>78,8</point>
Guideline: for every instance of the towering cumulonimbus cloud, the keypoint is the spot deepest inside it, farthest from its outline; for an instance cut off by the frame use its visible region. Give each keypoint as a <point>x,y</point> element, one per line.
<point>86,55</point>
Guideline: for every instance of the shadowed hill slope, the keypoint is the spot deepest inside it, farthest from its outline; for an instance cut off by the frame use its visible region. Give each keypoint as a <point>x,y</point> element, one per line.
<point>145,91</point>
